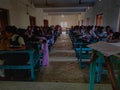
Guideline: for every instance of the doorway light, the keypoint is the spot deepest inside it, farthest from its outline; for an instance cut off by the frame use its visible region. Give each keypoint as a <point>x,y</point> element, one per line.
<point>62,16</point>
<point>88,8</point>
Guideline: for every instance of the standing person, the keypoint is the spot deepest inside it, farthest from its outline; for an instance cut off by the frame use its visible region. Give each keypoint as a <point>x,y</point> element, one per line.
<point>44,49</point>
<point>45,61</point>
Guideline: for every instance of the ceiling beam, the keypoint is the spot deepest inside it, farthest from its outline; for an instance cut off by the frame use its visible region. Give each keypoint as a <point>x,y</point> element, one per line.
<point>64,13</point>
<point>53,5</point>
<point>65,10</point>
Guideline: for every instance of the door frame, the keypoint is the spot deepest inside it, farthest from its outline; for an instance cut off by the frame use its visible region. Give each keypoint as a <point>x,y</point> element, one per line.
<point>4,18</point>
<point>32,20</point>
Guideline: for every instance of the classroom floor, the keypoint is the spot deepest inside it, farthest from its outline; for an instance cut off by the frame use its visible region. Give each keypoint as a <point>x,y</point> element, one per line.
<point>63,65</point>
<point>62,73</point>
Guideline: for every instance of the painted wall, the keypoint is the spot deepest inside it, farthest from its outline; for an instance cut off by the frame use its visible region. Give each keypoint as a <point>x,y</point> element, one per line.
<point>57,19</point>
<point>110,10</point>
<point>90,14</point>
<point>118,27</point>
<point>39,16</point>
<point>5,4</point>
<point>81,17</point>
<point>18,12</point>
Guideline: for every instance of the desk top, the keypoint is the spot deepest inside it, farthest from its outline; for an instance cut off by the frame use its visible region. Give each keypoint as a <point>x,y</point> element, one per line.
<point>17,51</point>
<point>116,44</point>
<point>106,48</point>
<point>118,56</point>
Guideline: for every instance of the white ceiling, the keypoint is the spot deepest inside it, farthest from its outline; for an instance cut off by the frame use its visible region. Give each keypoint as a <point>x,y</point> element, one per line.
<point>63,6</point>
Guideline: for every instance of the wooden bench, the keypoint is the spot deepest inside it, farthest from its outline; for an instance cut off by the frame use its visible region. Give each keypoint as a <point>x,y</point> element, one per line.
<point>33,56</point>
<point>83,53</point>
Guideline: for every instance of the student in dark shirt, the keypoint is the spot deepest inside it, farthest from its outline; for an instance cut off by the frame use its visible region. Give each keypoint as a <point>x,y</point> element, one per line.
<point>14,38</point>
<point>16,42</point>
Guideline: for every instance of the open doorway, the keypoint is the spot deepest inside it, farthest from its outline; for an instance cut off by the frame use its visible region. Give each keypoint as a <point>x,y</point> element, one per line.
<point>46,23</point>
<point>87,21</point>
<point>3,19</point>
<point>32,21</point>
<point>99,19</point>
<point>64,25</point>
<point>82,22</point>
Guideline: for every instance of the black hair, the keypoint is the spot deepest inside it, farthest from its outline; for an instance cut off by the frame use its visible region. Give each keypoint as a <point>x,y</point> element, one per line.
<point>116,35</point>
<point>11,29</point>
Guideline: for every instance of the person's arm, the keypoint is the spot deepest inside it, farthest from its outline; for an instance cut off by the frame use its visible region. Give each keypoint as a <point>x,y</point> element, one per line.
<point>17,48</point>
<point>21,47</point>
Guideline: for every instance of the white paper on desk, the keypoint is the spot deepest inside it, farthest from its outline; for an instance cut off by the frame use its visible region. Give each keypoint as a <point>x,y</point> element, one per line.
<point>116,44</point>
<point>105,48</point>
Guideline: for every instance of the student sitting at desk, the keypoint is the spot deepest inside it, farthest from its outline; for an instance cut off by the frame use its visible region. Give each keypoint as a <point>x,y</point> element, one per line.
<point>13,42</point>
<point>114,37</point>
<point>14,39</point>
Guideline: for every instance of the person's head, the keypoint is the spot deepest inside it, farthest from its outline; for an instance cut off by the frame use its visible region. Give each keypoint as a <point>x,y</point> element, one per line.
<point>100,29</point>
<point>107,28</point>
<point>89,28</point>
<point>29,28</point>
<point>110,32</point>
<point>116,35</point>
<point>10,30</point>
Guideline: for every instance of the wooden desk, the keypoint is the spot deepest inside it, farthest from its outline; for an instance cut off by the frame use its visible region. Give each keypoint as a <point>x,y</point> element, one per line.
<point>106,50</point>
<point>30,66</point>
<point>118,56</point>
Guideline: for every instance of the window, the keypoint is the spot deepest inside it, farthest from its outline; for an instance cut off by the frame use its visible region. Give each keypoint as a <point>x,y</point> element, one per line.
<point>63,24</point>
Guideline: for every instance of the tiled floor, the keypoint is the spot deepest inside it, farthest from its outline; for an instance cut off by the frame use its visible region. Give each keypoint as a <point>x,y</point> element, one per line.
<point>62,48</point>
<point>62,73</point>
<point>4,85</point>
<point>63,66</point>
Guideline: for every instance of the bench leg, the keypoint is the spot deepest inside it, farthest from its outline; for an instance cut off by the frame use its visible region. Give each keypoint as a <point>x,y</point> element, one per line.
<point>32,73</point>
<point>111,73</point>
<point>92,70</point>
<point>92,75</point>
<point>98,70</point>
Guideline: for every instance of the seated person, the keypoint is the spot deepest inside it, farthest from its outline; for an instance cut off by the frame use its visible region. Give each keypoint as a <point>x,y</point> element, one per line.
<point>114,38</point>
<point>101,33</point>
<point>109,36</point>
<point>14,39</point>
